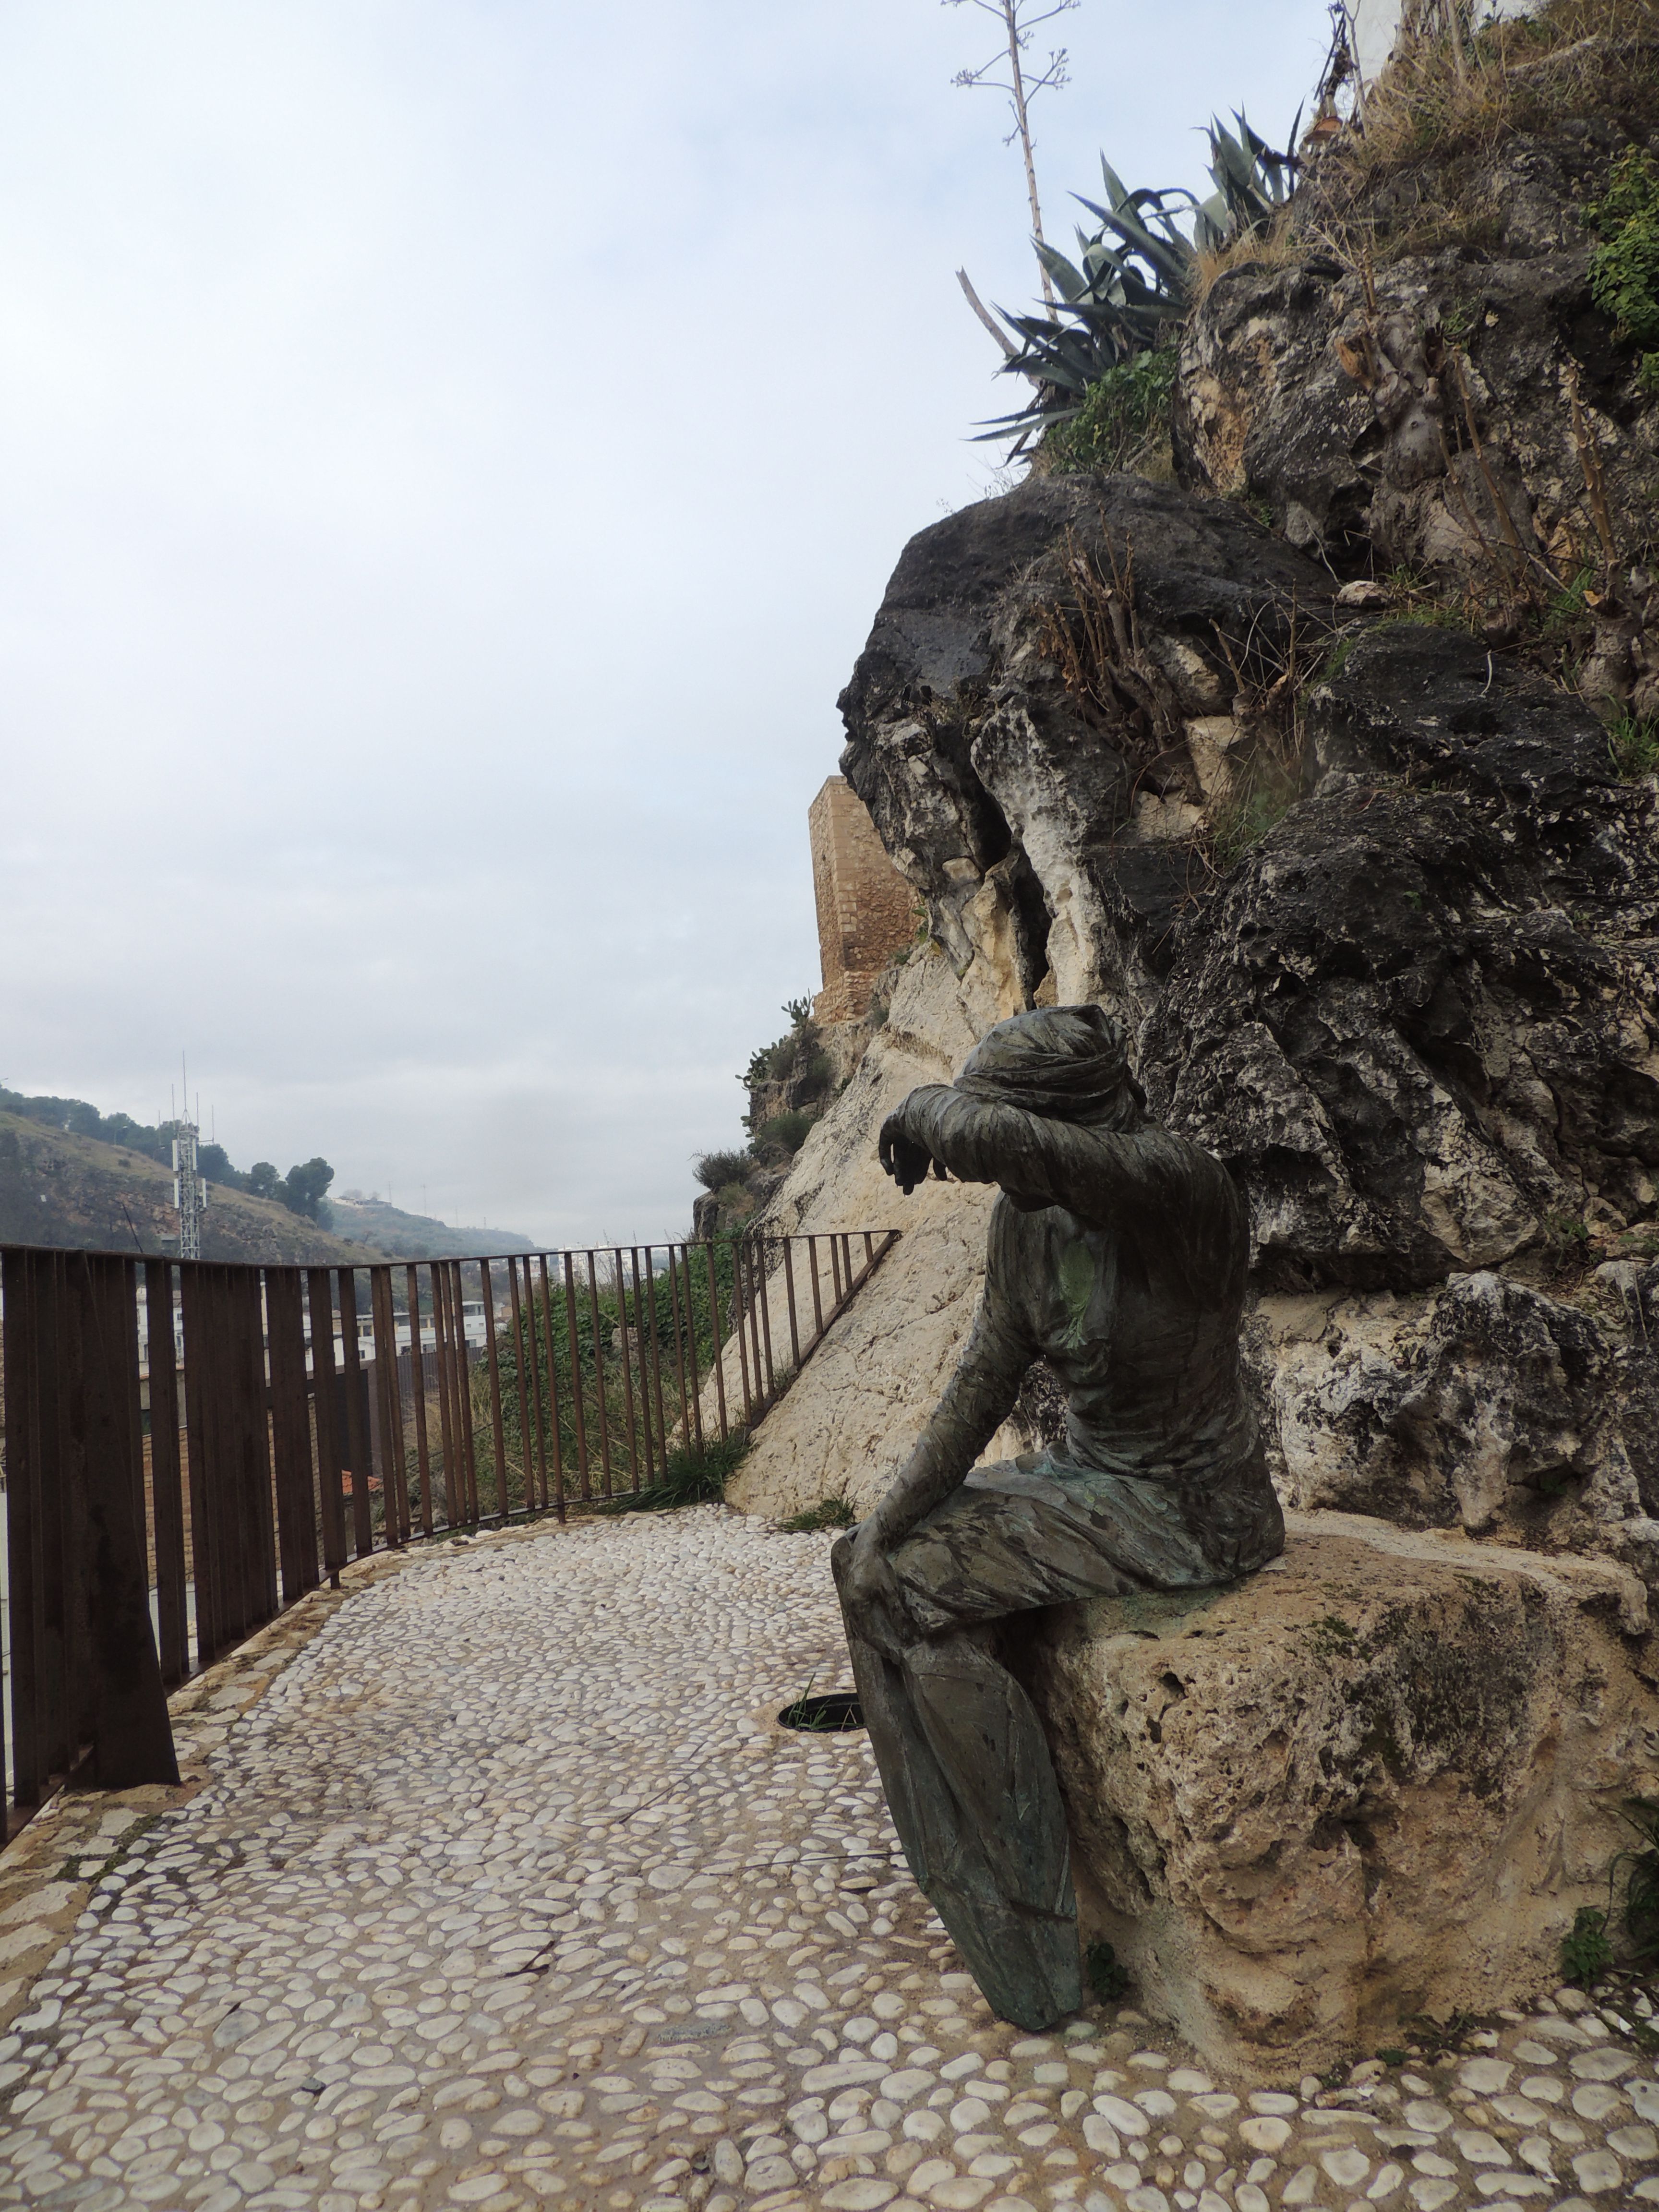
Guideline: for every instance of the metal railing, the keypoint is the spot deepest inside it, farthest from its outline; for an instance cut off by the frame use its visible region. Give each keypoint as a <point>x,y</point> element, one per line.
<point>190,1446</point>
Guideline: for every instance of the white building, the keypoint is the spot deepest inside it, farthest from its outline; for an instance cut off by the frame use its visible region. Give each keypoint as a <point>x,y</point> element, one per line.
<point>1374,25</point>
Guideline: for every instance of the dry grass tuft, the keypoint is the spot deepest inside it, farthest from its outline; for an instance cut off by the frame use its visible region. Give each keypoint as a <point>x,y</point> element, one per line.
<point>1571,57</point>
<point>1273,248</point>
<point>1411,173</point>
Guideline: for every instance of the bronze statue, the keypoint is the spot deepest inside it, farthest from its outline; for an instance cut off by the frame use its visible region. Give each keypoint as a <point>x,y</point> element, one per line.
<point>1117,1252</point>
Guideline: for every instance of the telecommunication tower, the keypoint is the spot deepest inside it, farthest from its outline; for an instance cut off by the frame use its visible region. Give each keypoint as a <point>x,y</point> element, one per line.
<point>190,1192</point>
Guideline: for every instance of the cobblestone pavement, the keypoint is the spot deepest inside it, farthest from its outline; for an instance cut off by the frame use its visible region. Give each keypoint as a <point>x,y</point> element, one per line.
<point>508,1891</point>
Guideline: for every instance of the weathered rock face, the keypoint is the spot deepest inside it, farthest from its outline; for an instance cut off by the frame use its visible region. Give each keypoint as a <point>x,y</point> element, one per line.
<point>1423,1015</point>
<point>1378,1780</point>
<point>1487,1406</point>
<point>1019,724</point>
<point>1420,413</point>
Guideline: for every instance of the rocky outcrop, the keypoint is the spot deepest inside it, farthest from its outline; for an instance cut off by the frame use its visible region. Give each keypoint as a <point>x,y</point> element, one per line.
<point>1052,685</point>
<point>1375,1781</point>
<point>1442,397</point>
<point>1423,1016</point>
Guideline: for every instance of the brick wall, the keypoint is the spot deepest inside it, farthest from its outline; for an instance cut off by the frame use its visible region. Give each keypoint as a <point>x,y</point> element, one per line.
<point>867,911</point>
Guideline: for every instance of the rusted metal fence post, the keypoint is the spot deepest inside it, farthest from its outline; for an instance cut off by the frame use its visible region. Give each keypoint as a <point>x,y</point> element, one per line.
<point>417,1395</point>
<point>166,1474</point>
<point>497,1435</point>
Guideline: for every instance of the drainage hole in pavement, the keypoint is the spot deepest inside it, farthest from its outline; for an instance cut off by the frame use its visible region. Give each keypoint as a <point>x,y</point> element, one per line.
<point>837,1713</point>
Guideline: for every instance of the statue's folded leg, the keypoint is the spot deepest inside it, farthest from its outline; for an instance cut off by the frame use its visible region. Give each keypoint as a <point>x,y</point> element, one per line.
<point>963,1756</point>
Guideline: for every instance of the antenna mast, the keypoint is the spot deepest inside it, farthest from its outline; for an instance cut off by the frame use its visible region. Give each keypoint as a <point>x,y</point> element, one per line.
<point>190,1192</point>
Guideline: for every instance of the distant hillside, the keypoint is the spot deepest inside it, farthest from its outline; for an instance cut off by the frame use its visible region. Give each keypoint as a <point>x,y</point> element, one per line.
<point>417,1235</point>
<point>62,1189</point>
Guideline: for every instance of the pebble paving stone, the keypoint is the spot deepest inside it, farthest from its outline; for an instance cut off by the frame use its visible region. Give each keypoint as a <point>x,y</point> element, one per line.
<point>508,1892</point>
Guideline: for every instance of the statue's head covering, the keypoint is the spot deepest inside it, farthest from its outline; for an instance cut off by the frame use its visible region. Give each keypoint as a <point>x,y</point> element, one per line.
<point>1070,1063</point>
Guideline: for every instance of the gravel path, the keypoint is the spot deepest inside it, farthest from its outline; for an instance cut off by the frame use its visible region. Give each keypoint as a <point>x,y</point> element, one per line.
<point>508,1892</point>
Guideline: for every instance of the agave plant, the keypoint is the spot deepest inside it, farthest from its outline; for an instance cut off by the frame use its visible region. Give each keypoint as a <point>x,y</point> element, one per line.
<point>1252,184</point>
<point>1132,277</point>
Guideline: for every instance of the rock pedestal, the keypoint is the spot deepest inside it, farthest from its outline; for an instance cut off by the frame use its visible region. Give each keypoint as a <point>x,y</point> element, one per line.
<point>1378,1780</point>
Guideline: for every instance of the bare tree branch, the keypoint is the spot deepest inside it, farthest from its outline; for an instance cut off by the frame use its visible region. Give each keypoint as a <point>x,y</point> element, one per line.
<point>989,320</point>
<point>1019,26</point>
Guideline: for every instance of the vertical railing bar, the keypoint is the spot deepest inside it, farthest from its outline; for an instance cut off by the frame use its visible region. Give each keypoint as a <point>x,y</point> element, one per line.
<point>691,1339</point>
<point>417,1393</point>
<point>133,1393</point>
<point>357,1439</point>
<point>755,1265</point>
<point>325,1388</point>
<point>194,1318</point>
<point>519,1392</point>
<point>60,1504</point>
<point>869,1254</point>
<point>441,1374</point>
<point>789,1286</point>
<point>71,1717</point>
<point>397,1432</point>
<point>528,1351</point>
<point>576,1376</point>
<point>627,1364</point>
<point>233,1471</point>
<point>552,1387</point>
<point>311,1457</point>
<point>645,1313</point>
<point>464,1379</point>
<point>679,1355</point>
<point>742,1323</point>
<point>290,1431</point>
<point>719,1339</point>
<point>598,1369</point>
<point>817,1295</point>
<point>656,1353</point>
<point>460,1392</point>
<point>393,1469</point>
<point>165,1472</point>
<point>456,1496</point>
<point>262,1444</point>
<point>22,1288</point>
<point>766,1326</point>
<point>497,1432</point>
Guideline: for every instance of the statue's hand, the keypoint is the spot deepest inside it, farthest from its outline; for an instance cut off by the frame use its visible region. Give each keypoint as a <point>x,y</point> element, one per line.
<point>901,1156</point>
<point>872,1595</point>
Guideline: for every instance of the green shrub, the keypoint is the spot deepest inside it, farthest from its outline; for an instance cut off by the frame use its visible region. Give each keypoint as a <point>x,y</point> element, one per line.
<point>1625,267</point>
<point>716,1171</point>
<point>1634,747</point>
<point>828,1513</point>
<point>781,1137</point>
<point>692,1477</point>
<point>1586,1953</point>
<point>1120,415</point>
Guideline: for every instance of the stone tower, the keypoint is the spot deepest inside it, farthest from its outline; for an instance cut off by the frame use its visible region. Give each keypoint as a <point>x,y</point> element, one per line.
<point>867,911</point>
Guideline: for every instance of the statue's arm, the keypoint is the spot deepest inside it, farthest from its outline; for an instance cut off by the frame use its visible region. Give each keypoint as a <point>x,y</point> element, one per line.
<point>977,1399</point>
<point>1099,1175</point>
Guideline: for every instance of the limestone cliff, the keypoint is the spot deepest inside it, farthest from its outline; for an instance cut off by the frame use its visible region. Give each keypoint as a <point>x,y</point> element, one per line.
<point>1348,848</point>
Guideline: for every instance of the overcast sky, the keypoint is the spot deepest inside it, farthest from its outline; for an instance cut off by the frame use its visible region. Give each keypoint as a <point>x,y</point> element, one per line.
<point>453,451</point>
